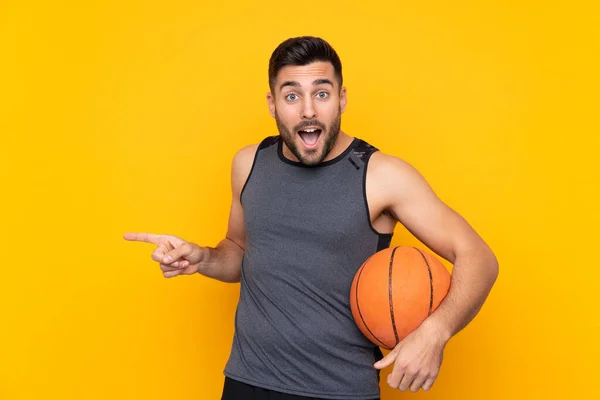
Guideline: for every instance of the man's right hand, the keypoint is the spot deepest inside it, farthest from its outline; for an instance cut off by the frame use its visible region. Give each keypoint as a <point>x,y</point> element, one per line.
<point>175,255</point>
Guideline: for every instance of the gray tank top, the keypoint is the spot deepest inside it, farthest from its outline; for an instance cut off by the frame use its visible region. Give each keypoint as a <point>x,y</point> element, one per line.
<point>307,233</point>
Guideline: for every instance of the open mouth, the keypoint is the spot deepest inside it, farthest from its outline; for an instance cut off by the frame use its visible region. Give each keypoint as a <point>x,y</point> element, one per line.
<point>310,136</point>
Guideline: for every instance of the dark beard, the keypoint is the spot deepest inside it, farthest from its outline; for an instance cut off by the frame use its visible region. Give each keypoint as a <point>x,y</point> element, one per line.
<point>330,137</point>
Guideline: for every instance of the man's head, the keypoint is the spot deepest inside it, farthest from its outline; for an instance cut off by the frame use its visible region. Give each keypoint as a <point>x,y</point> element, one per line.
<point>307,97</point>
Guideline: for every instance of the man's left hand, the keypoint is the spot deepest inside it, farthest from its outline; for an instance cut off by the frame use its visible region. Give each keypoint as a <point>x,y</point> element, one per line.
<point>417,359</point>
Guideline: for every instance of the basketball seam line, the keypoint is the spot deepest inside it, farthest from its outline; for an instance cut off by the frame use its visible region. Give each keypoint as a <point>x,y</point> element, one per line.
<point>360,314</point>
<point>430,280</point>
<point>391,295</point>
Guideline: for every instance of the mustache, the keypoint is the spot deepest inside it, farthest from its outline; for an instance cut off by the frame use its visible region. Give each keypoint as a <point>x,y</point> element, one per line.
<point>305,124</point>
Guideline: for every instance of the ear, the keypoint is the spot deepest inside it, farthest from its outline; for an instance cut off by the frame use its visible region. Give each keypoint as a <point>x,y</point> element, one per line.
<point>343,99</point>
<point>271,104</point>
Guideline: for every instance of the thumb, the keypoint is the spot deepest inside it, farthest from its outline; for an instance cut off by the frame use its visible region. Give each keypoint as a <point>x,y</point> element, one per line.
<point>185,250</point>
<point>386,361</point>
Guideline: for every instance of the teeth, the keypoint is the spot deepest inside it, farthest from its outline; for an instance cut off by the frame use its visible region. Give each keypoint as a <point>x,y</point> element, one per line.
<point>309,130</point>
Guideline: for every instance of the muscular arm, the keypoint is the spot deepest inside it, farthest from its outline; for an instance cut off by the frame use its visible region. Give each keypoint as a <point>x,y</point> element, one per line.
<point>224,261</point>
<point>406,195</point>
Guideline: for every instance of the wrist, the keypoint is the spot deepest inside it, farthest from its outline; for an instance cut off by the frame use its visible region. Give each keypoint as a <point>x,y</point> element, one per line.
<point>437,329</point>
<point>203,259</point>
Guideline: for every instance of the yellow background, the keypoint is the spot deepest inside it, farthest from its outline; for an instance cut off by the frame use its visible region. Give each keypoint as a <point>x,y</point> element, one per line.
<point>122,115</point>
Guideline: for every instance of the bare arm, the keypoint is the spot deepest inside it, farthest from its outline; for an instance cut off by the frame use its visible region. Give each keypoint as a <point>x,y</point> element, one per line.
<point>224,261</point>
<point>404,193</point>
<point>410,199</point>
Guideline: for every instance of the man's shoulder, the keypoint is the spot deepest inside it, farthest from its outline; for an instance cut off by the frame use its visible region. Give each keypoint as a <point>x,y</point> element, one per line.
<point>246,152</point>
<point>249,151</point>
<point>244,157</point>
<point>363,149</point>
<point>382,163</point>
<point>241,165</point>
<point>392,176</point>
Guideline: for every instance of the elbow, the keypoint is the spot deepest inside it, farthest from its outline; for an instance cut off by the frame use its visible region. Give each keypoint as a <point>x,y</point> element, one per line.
<point>493,266</point>
<point>488,265</point>
<point>235,278</point>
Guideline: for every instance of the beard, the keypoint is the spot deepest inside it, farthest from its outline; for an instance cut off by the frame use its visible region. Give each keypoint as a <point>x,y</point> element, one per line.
<point>311,157</point>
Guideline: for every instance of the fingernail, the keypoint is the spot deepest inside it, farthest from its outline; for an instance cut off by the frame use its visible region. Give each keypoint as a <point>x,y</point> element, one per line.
<point>167,259</point>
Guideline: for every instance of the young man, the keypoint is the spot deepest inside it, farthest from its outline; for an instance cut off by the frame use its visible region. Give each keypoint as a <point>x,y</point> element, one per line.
<point>309,207</point>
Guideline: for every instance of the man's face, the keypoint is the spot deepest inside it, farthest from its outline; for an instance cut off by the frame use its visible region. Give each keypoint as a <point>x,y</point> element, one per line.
<point>307,104</point>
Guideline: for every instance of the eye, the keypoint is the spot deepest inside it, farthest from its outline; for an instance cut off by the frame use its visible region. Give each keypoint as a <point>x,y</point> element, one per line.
<point>322,95</point>
<point>291,97</point>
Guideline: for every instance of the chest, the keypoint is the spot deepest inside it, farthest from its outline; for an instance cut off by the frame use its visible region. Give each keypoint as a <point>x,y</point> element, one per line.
<point>313,205</point>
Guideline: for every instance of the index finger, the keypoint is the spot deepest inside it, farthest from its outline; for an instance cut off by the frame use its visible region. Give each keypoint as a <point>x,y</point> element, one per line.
<point>142,237</point>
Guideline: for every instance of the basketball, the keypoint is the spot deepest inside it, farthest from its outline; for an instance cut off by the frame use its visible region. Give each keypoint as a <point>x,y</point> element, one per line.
<point>394,291</point>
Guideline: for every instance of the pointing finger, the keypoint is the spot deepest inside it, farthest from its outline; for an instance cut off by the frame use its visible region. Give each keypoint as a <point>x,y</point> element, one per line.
<point>142,237</point>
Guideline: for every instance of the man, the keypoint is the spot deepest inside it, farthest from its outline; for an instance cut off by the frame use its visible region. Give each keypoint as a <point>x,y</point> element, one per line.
<point>306,213</point>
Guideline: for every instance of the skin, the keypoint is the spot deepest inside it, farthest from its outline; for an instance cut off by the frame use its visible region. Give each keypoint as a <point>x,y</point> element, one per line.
<point>308,96</point>
<point>396,193</point>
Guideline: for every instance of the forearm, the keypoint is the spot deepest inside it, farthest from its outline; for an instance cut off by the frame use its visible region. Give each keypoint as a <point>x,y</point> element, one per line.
<point>473,276</point>
<point>223,262</point>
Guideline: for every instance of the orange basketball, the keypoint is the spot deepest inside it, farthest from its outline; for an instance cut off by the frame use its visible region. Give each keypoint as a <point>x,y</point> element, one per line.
<point>394,291</point>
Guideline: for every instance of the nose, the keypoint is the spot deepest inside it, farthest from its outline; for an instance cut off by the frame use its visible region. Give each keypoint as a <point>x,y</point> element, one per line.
<point>308,109</point>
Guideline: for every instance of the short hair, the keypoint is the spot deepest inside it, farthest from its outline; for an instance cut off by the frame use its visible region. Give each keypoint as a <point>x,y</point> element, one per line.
<point>303,50</point>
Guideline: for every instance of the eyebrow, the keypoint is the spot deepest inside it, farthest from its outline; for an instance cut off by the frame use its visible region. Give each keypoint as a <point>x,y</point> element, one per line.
<point>315,82</point>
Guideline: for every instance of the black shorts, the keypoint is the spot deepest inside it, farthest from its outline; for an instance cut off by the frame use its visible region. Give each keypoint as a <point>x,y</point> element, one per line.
<point>235,390</point>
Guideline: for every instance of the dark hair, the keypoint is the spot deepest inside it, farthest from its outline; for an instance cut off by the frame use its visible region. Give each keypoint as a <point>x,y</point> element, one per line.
<point>303,50</point>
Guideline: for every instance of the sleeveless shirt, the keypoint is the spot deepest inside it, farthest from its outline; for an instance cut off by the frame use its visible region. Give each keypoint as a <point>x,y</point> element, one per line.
<point>308,231</point>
